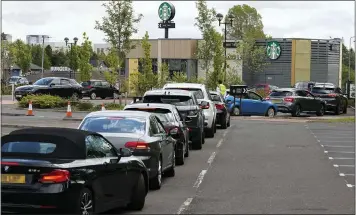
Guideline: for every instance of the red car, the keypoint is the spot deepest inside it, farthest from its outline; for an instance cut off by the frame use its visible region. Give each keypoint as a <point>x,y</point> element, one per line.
<point>266,87</point>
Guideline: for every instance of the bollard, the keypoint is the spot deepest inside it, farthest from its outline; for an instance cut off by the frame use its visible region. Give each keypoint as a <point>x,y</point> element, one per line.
<point>13,91</point>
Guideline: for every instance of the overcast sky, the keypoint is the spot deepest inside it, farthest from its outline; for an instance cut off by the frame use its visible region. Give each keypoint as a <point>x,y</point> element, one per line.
<point>61,19</point>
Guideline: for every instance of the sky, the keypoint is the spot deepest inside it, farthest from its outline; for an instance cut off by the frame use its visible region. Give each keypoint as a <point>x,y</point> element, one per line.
<point>292,19</point>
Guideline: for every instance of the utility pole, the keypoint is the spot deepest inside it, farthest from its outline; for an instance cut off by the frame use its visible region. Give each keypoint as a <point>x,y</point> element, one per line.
<point>43,49</point>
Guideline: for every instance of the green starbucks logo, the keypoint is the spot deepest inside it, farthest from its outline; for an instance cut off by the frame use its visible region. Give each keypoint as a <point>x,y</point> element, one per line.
<point>273,50</point>
<point>166,11</point>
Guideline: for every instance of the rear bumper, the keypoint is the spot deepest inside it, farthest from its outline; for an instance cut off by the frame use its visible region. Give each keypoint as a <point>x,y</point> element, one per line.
<point>220,117</point>
<point>330,104</point>
<point>194,133</point>
<point>208,118</point>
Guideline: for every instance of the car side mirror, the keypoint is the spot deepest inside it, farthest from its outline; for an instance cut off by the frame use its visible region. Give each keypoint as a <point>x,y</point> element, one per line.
<point>204,105</point>
<point>52,84</point>
<point>188,119</point>
<point>125,152</point>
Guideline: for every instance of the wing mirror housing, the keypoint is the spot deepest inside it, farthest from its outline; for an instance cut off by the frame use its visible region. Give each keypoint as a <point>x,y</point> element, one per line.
<point>173,131</point>
<point>204,105</point>
<point>125,152</point>
<point>52,84</point>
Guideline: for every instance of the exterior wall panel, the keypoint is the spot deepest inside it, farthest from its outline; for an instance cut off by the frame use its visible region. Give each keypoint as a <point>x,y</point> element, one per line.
<point>302,60</point>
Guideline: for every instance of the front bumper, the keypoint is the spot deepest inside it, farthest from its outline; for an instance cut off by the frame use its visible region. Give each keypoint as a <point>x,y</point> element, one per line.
<point>285,108</point>
<point>330,103</point>
<point>20,94</point>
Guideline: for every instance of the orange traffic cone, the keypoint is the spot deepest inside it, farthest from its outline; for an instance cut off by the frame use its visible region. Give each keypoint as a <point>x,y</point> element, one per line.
<point>69,111</point>
<point>102,107</point>
<point>29,111</point>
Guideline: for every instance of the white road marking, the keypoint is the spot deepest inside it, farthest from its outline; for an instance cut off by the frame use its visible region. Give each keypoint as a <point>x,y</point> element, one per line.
<point>342,152</point>
<point>338,141</point>
<point>338,146</point>
<point>337,165</point>
<point>211,158</point>
<point>185,205</point>
<point>339,137</point>
<point>350,185</point>
<point>345,174</point>
<point>219,143</point>
<point>332,158</point>
<point>200,179</point>
<point>225,133</point>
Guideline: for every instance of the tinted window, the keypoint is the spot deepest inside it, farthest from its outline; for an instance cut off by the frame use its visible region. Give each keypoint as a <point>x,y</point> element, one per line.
<point>197,92</point>
<point>115,124</point>
<point>28,147</point>
<point>301,93</point>
<point>160,127</point>
<point>64,82</point>
<point>85,83</point>
<point>153,127</point>
<point>164,115</point>
<point>318,90</point>
<point>281,93</point>
<point>106,84</point>
<point>97,83</point>
<point>253,96</point>
<point>215,97</point>
<point>43,81</point>
<point>14,79</point>
<point>97,147</point>
<point>72,81</point>
<point>169,99</point>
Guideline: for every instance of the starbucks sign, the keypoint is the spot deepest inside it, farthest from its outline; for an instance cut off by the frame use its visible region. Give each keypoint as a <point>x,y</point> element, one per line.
<point>166,11</point>
<point>273,50</point>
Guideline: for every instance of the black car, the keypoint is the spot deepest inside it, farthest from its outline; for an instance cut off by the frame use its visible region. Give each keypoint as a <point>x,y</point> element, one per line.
<point>58,86</point>
<point>335,99</point>
<point>143,133</point>
<point>187,105</point>
<point>62,170</point>
<point>296,101</point>
<point>222,115</point>
<point>99,88</point>
<point>172,122</point>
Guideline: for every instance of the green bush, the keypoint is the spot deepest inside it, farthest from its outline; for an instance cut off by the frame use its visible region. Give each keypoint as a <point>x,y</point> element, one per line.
<point>42,101</point>
<point>6,90</point>
<point>108,106</point>
<point>83,106</point>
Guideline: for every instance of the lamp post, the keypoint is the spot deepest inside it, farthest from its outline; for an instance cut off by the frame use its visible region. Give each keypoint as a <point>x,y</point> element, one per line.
<point>349,72</point>
<point>3,56</point>
<point>43,49</point>
<point>231,19</point>
<point>71,53</point>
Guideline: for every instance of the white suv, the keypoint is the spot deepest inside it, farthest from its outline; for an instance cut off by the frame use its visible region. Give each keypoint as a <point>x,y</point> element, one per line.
<point>205,100</point>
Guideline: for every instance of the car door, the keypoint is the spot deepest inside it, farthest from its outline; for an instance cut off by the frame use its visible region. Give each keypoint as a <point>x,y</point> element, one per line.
<point>65,88</point>
<point>107,90</point>
<point>182,124</point>
<point>169,144</point>
<point>53,88</point>
<point>314,103</point>
<point>154,132</point>
<point>303,100</point>
<point>257,104</point>
<point>343,99</point>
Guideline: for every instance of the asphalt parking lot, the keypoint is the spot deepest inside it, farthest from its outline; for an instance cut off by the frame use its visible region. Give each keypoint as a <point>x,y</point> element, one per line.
<point>254,167</point>
<point>338,143</point>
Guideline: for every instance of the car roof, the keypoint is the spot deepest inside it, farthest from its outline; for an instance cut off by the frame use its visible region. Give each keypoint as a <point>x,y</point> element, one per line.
<point>123,113</point>
<point>324,85</point>
<point>151,105</point>
<point>214,92</point>
<point>54,78</point>
<point>284,89</point>
<point>169,92</point>
<point>184,85</point>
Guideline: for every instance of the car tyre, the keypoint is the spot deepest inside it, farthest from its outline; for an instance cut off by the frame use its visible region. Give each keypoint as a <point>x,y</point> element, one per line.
<point>296,111</point>
<point>270,112</point>
<point>345,109</point>
<point>223,123</point>
<point>228,123</point>
<point>103,98</point>
<point>214,126</point>
<point>236,111</point>
<point>138,196</point>
<point>75,96</point>
<point>85,204</point>
<point>156,182</point>
<point>209,132</point>
<point>197,144</point>
<point>203,137</point>
<point>337,110</point>
<point>180,159</point>
<point>321,111</point>
<point>92,96</point>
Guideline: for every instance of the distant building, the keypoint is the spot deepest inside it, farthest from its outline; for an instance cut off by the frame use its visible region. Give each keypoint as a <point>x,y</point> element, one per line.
<point>8,37</point>
<point>57,45</point>
<point>36,39</point>
<point>101,48</point>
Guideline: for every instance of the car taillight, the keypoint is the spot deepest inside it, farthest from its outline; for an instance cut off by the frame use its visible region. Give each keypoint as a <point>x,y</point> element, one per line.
<point>9,163</point>
<point>90,86</point>
<point>288,99</point>
<point>174,130</point>
<point>332,95</point>
<point>137,145</point>
<point>56,176</point>
<point>267,98</point>
<point>219,106</point>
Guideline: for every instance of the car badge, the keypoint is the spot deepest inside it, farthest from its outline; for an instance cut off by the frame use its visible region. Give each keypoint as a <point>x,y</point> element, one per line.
<point>6,168</point>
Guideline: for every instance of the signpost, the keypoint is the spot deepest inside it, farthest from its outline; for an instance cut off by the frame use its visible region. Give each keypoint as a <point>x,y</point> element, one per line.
<point>238,90</point>
<point>166,12</point>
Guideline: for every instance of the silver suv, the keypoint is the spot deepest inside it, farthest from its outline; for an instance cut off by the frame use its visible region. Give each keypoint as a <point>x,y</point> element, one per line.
<point>206,103</point>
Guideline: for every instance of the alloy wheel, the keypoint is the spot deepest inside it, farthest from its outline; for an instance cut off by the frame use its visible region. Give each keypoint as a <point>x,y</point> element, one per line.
<point>93,95</point>
<point>270,112</point>
<point>75,96</point>
<point>86,204</point>
<point>236,111</point>
<point>159,175</point>
<point>297,111</point>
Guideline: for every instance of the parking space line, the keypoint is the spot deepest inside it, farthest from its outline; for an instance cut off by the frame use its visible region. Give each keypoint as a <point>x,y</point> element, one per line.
<point>337,146</point>
<point>342,152</point>
<point>345,174</point>
<point>337,165</point>
<point>341,141</point>
<point>219,143</point>
<point>332,158</point>
<point>185,205</point>
<point>350,185</point>
<point>200,179</point>
<point>211,158</point>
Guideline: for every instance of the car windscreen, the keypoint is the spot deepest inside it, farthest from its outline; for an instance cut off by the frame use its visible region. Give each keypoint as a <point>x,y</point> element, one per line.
<point>198,93</point>
<point>115,124</point>
<point>281,93</point>
<point>165,115</point>
<point>28,147</point>
<point>321,90</point>
<point>177,100</point>
<point>43,81</point>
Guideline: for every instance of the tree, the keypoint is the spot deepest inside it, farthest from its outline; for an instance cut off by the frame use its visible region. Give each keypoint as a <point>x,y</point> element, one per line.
<point>6,55</point>
<point>48,53</point>
<point>163,75</point>
<point>36,53</point>
<point>113,62</point>
<point>60,59</point>
<point>345,65</point>
<point>73,56</point>
<point>119,25</point>
<point>85,52</point>
<point>179,77</point>
<point>218,61</point>
<point>22,55</point>
<point>149,80</point>
<point>232,78</point>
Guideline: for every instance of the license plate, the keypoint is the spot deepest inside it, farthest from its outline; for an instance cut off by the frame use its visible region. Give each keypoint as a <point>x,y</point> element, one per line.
<point>18,95</point>
<point>276,101</point>
<point>13,178</point>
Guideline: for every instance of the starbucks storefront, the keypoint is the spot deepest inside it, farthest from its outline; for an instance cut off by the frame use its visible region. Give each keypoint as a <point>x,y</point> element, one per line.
<point>293,60</point>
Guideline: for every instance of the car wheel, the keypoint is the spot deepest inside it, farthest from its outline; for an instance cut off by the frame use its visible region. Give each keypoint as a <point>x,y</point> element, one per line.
<point>297,110</point>
<point>171,171</point>
<point>197,144</point>
<point>180,159</point>
<point>337,110</point>
<point>228,123</point>
<point>321,111</point>
<point>75,96</point>
<point>270,112</point>
<point>203,137</point>
<point>345,109</point>
<point>236,111</point>
<point>214,126</point>
<point>86,202</point>
<point>156,182</point>
<point>93,95</point>
<point>116,96</point>
<point>223,123</point>
<point>209,132</point>
<point>138,196</point>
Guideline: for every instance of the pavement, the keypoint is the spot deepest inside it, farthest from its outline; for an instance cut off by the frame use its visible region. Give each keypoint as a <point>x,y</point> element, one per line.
<point>253,167</point>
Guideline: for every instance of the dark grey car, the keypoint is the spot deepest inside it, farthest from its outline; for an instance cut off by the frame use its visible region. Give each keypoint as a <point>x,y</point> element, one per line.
<point>143,133</point>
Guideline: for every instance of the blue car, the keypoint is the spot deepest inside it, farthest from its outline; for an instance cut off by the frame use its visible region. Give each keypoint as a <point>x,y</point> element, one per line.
<point>252,104</point>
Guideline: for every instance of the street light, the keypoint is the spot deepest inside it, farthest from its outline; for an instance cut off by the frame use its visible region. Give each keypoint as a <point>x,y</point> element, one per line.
<point>75,39</point>
<point>230,19</point>
<point>43,48</point>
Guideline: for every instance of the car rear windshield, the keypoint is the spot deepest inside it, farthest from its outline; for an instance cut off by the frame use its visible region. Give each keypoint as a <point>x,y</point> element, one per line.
<point>28,147</point>
<point>165,115</point>
<point>115,124</point>
<point>281,94</point>
<point>198,93</point>
<point>321,90</point>
<point>177,100</point>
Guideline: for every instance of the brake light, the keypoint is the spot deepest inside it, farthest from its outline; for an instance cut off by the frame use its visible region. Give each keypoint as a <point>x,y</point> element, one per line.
<point>267,98</point>
<point>332,95</point>
<point>219,106</point>
<point>56,176</point>
<point>137,145</point>
<point>174,130</point>
<point>288,99</point>
<point>10,163</point>
<point>90,86</point>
